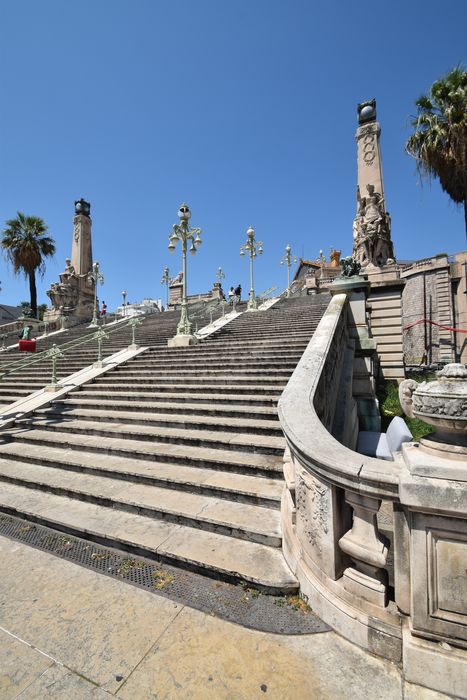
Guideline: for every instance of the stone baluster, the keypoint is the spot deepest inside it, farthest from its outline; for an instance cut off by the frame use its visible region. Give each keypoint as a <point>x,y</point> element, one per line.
<point>368,549</point>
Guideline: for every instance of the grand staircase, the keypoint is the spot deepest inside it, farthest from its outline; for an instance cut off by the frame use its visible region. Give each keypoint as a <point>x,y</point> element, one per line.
<point>176,454</point>
<point>154,332</point>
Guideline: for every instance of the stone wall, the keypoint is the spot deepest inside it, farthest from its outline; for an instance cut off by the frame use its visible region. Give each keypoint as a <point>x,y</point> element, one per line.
<point>428,294</point>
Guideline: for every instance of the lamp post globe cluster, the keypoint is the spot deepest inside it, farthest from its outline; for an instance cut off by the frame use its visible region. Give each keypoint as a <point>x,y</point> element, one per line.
<point>289,259</point>
<point>166,279</point>
<point>253,248</point>
<point>94,277</point>
<point>220,274</point>
<point>184,233</point>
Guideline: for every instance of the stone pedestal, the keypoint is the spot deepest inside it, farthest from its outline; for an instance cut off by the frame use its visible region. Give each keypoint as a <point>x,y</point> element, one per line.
<point>431,534</point>
<point>182,341</point>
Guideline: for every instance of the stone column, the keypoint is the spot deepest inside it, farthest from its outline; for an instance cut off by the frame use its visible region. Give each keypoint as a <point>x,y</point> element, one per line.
<point>81,249</point>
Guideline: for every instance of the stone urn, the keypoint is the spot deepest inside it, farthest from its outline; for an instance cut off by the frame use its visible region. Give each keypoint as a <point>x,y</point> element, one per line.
<point>442,404</point>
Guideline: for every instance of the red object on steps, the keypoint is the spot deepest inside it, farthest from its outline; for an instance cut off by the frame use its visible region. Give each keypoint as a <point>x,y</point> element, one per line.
<point>27,346</point>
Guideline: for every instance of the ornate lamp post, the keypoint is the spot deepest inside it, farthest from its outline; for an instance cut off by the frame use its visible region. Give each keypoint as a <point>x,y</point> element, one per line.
<point>220,275</point>
<point>166,280</point>
<point>95,276</point>
<point>322,260</point>
<point>289,259</point>
<point>185,233</point>
<point>124,303</point>
<point>253,248</point>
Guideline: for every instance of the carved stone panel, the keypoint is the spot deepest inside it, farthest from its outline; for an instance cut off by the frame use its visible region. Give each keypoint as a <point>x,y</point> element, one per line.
<point>319,522</point>
<point>439,570</point>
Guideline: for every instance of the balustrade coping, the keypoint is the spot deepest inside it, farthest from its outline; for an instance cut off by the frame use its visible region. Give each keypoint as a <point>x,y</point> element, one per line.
<point>314,446</point>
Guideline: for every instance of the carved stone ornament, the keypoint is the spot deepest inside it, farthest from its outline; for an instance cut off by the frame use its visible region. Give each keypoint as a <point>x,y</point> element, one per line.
<point>441,403</point>
<point>313,509</point>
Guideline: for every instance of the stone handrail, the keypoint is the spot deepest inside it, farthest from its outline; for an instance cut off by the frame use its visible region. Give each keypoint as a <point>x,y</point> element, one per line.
<point>336,532</point>
<point>308,437</point>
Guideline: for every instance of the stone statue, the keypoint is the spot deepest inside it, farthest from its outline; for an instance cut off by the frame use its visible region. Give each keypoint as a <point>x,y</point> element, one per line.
<point>350,267</point>
<point>178,279</point>
<point>372,230</point>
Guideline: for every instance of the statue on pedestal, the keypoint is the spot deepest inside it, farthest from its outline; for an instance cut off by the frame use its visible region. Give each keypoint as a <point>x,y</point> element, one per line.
<point>372,230</point>
<point>73,295</point>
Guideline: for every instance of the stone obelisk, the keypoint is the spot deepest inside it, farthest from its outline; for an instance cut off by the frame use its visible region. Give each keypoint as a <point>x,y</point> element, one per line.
<point>81,249</point>
<point>373,248</point>
<point>372,225</point>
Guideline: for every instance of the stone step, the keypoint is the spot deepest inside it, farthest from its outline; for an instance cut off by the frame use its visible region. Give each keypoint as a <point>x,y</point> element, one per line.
<point>222,410</point>
<point>230,347</point>
<point>242,488</point>
<point>215,554</point>
<point>196,377</point>
<point>230,518</point>
<point>253,463</point>
<point>222,440</point>
<point>258,369</point>
<point>183,387</point>
<point>62,410</point>
<point>96,392</point>
<point>226,362</point>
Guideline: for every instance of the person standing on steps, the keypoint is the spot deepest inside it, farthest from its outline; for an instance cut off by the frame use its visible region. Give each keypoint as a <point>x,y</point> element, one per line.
<point>25,334</point>
<point>238,293</point>
<point>104,310</point>
<point>231,295</point>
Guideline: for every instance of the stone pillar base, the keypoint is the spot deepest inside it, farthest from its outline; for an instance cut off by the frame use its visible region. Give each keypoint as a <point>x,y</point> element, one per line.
<point>182,341</point>
<point>359,584</point>
<point>438,666</point>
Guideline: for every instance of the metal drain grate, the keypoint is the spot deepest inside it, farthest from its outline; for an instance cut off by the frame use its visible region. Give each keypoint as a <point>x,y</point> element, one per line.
<point>241,604</point>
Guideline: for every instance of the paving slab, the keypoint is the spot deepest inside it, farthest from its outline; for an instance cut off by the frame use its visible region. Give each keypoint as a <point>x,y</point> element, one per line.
<point>201,657</point>
<point>106,639</point>
<point>20,665</point>
<point>85,621</point>
<point>59,683</point>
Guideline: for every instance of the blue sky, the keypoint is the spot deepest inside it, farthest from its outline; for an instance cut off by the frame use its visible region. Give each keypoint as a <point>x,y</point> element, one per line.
<point>244,109</point>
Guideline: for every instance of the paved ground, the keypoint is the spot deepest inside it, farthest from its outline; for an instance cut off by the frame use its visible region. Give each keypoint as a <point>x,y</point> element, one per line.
<point>68,632</point>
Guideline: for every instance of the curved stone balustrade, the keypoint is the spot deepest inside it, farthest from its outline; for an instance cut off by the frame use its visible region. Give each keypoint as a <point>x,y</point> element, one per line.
<point>330,505</point>
<point>302,412</point>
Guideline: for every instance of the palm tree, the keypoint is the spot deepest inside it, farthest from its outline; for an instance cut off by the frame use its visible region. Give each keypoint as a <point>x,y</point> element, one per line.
<point>25,244</point>
<point>439,142</point>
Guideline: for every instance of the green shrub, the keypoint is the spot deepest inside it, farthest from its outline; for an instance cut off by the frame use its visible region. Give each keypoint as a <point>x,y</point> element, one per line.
<point>389,406</point>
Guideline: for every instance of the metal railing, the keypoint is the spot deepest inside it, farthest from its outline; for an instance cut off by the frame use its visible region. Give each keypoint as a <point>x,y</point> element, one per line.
<point>267,294</point>
<point>11,338</point>
<point>58,351</point>
<point>208,309</point>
